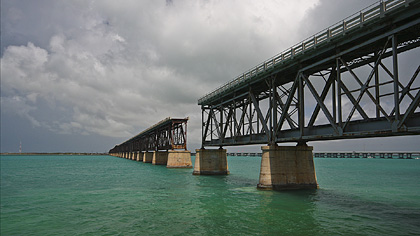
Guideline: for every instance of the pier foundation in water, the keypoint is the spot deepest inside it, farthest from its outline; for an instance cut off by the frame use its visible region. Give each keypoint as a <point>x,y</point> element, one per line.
<point>287,167</point>
<point>179,159</point>
<point>160,158</point>
<point>211,162</point>
<point>147,157</point>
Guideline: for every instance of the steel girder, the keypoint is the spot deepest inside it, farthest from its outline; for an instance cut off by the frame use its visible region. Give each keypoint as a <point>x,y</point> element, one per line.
<point>349,89</point>
<point>169,134</point>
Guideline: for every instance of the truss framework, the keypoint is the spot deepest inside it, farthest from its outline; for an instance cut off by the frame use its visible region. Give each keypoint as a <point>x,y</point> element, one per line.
<point>355,92</point>
<point>169,134</point>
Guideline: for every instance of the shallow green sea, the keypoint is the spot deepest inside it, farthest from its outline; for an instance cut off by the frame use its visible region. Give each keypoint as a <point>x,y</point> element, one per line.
<point>104,195</point>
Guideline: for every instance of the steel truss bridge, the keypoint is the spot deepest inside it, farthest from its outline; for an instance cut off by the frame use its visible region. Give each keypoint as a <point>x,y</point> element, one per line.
<point>344,82</point>
<point>168,134</point>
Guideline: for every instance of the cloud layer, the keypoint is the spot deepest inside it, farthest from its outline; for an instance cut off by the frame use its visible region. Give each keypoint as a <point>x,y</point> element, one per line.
<point>111,68</point>
<point>106,68</point>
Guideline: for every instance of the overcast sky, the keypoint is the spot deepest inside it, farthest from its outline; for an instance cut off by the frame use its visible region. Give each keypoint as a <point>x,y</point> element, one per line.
<point>82,76</point>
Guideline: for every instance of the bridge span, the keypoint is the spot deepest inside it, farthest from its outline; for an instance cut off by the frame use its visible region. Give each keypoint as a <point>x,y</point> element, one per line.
<point>345,82</point>
<point>160,145</point>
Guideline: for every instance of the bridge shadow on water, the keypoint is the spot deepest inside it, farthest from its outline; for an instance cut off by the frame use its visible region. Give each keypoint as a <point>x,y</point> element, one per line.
<point>234,202</point>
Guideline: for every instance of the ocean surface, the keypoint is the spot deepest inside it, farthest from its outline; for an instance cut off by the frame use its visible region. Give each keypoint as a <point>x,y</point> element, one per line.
<point>104,195</point>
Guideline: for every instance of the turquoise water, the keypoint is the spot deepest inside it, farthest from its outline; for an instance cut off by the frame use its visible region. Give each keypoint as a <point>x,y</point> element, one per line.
<point>104,195</point>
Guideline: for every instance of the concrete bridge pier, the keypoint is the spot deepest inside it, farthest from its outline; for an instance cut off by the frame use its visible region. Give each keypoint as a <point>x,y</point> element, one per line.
<point>139,156</point>
<point>287,167</point>
<point>179,159</point>
<point>210,162</point>
<point>147,157</point>
<point>160,158</point>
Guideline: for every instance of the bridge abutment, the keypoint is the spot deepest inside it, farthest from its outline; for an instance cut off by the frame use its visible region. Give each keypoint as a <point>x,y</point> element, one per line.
<point>147,157</point>
<point>160,158</point>
<point>287,167</point>
<point>210,162</point>
<point>179,159</point>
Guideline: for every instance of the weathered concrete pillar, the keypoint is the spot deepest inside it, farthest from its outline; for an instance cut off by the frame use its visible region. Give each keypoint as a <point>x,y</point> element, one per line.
<point>210,162</point>
<point>179,159</point>
<point>160,158</point>
<point>139,156</point>
<point>147,157</point>
<point>287,167</point>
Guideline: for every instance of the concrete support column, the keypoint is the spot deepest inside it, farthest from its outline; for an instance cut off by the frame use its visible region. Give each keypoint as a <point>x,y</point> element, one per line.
<point>147,157</point>
<point>211,162</point>
<point>139,156</point>
<point>179,159</point>
<point>160,158</point>
<point>287,167</point>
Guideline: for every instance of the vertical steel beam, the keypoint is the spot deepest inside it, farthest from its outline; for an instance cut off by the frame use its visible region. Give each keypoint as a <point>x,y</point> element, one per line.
<point>396,81</point>
<point>204,128</point>
<point>340,110</point>
<point>301,104</point>
<point>221,138</point>
<point>273,117</point>
<point>377,91</point>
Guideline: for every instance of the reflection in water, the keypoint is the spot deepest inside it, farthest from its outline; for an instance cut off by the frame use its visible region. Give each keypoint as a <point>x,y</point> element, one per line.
<point>288,213</point>
<point>361,216</point>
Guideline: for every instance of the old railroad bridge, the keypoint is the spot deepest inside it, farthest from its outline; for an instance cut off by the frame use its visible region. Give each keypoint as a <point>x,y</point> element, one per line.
<point>351,80</point>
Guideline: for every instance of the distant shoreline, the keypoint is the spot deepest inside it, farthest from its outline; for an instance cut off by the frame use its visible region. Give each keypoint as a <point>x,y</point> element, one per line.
<point>53,154</point>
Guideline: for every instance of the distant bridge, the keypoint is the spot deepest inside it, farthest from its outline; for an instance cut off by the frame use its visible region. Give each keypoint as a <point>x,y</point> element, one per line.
<point>158,144</point>
<point>168,134</point>
<point>341,83</point>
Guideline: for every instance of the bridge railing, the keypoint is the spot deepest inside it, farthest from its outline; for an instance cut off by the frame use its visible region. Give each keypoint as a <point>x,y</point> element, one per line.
<point>369,13</point>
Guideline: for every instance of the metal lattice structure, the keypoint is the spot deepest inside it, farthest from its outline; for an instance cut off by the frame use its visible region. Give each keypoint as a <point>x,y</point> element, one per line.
<point>168,134</point>
<point>343,82</point>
